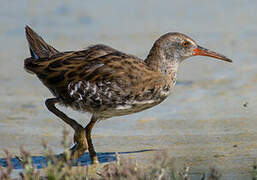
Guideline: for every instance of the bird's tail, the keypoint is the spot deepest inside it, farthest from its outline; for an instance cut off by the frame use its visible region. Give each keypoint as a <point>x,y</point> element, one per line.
<point>37,46</point>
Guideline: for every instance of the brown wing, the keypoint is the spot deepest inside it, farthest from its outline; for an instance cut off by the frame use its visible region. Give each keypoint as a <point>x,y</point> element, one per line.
<point>118,81</point>
<point>76,76</point>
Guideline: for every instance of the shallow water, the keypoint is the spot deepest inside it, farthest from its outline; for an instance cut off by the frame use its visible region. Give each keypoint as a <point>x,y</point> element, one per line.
<point>201,121</point>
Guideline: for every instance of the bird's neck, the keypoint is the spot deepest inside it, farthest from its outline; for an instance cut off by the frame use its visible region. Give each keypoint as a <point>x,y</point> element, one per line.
<point>158,60</point>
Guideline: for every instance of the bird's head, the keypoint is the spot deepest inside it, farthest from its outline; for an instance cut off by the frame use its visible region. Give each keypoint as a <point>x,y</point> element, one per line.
<point>177,46</point>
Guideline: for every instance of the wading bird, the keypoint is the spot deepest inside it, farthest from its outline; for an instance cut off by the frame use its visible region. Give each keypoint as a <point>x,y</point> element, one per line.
<point>106,82</point>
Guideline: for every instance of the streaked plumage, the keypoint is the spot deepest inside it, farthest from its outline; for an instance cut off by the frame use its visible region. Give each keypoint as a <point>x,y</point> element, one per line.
<point>106,82</point>
<point>100,79</point>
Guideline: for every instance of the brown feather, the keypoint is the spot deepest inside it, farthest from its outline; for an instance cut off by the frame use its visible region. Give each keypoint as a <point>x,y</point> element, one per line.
<point>99,79</point>
<point>38,45</point>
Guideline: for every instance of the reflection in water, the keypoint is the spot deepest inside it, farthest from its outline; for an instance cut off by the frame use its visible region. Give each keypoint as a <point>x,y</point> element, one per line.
<point>41,161</point>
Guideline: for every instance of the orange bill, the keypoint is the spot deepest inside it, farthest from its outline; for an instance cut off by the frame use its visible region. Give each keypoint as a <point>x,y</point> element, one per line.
<point>200,51</point>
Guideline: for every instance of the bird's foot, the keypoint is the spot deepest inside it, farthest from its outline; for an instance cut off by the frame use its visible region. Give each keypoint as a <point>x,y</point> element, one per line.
<point>81,144</point>
<point>95,160</point>
<point>79,147</point>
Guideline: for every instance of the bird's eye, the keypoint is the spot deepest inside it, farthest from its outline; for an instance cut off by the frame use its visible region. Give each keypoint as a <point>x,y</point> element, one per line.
<point>185,43</point>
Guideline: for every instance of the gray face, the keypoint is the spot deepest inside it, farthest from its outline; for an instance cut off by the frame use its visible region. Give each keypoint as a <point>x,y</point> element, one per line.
<point>177,46</point>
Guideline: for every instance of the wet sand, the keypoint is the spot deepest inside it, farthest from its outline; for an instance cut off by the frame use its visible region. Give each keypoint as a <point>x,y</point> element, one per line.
<point>209,120</point>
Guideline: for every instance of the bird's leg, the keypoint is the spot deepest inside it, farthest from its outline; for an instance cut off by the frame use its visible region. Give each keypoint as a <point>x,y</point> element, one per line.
<point>91,149</point>
<point>50,104</point>
<point>80,134</point>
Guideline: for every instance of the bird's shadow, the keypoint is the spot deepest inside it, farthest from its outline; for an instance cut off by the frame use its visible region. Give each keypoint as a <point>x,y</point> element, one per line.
<point>41,161</point>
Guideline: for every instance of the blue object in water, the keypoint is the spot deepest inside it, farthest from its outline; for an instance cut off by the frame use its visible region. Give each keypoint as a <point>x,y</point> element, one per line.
<point>41,161</point>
